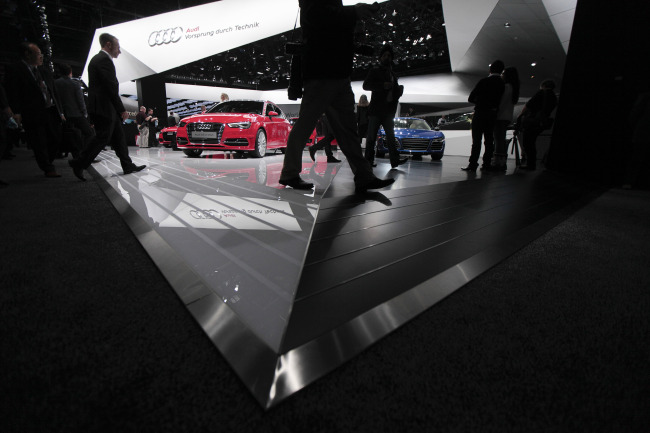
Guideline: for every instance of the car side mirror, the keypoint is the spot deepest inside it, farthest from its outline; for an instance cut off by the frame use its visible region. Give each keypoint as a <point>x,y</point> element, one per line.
<point>273,113</point>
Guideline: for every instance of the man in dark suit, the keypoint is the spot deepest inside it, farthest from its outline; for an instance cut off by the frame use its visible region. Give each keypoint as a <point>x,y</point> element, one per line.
<point>74,107</point>
<point>33,98</point>
<point>486,96</point>
<point>328,33</point>
<point>385,93</point>
<point>105,109</point>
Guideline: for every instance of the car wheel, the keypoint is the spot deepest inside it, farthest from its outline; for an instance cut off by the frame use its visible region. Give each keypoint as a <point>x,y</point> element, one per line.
<point>260,144</point>
<point>192,153</point>
<point>436,157</point>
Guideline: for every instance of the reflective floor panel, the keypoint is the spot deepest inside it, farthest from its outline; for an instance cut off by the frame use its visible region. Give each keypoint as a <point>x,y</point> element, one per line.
<point>289,284</point>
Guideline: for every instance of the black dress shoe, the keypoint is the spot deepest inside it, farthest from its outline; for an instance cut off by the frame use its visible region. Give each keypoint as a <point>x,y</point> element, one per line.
<point>297,183</point>
<point>376,183</point>
<point>469,168</point>
<point>78,171</point>
<point>332,159</point>
<point>52,174</point>
<point>399,162</point>
<point>312,153</point>
<point>134,168</point>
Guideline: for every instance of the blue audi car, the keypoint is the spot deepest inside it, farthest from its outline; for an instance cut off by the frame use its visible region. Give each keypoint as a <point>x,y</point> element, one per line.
<point>414,137</point>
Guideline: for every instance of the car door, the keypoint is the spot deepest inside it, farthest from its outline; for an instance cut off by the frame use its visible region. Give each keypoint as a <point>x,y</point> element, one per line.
<point>281,126</point>
<point>270,126</point>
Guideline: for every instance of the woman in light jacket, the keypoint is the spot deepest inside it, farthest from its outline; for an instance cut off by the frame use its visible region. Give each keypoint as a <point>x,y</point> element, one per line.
<point>504,117</point>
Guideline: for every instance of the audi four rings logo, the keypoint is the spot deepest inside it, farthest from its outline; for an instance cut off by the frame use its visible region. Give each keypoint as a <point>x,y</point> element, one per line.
<point>165,36</point>
<point>207,126</point>
<point>207,214</point>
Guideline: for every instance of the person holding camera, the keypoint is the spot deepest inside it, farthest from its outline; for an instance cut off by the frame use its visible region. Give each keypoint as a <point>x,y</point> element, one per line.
<point>383,103</point>
<point>152,123</point>
<point>535,118</point>
<point>328,34</point>
<point>142,119</point>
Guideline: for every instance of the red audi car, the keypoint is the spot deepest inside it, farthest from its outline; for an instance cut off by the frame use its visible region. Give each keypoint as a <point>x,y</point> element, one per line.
<point>246,126</point>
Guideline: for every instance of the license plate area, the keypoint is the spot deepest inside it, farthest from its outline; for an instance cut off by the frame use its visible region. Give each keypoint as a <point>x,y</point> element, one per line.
<point>204,134</point>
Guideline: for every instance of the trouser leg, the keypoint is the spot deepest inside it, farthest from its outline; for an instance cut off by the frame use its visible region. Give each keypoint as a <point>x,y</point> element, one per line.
<point>341,115</point>
<point>530,145</point>
<point>311,109</point>
<point>477,137</point>
<point>118,142</point>
<point>389,128</point>
<point>374,123</point>
<point>488,132</point>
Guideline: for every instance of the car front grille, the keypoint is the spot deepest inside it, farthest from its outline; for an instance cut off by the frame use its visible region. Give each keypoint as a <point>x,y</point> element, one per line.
<point>205,127</point>
<point>415,143</point>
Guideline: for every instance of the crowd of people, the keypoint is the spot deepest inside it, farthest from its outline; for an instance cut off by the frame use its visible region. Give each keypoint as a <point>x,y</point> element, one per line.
<point>46,108</point>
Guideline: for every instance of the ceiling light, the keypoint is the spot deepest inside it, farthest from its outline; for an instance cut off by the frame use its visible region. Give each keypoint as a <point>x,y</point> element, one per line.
<point>533,64</point>
<point>506,25</point>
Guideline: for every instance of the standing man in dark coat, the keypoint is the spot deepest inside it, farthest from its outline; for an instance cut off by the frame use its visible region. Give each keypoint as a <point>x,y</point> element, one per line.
<point>382,82</point>
<point>33,99</point>
<point>105,109</point>
<point>328,36</point>
<point>74,106</point>
<point>486,96</point>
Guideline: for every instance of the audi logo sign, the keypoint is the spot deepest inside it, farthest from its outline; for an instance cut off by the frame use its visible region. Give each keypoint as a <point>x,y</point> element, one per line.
<point>166,36</point>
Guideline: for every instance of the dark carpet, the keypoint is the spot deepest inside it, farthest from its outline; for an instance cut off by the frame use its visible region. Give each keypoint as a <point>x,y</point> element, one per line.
<point>92,338</point>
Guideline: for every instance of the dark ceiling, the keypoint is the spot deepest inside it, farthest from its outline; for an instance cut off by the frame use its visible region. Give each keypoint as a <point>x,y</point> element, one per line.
<point>414,27</point>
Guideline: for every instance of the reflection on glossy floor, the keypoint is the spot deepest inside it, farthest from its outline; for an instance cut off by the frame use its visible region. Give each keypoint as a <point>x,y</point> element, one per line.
<point>290,284</point>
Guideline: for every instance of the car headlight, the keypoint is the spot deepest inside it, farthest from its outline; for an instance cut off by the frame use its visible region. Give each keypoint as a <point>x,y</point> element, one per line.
<point>241,125</point>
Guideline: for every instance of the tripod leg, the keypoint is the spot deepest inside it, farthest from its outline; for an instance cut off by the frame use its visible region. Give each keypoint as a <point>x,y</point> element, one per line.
<point>515,144</point>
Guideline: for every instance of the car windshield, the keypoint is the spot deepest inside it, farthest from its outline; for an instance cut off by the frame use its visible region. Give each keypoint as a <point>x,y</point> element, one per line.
<point>252,107</point>
<point>412,124</point>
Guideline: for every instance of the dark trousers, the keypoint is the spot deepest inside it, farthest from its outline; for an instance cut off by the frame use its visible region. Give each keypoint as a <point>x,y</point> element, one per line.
<point>333,97</point>
<point>482,129</point>
<point>530,135</point>
<point>108,131</point>
<point>374,122</point>
<point>83,125</point>
<point>43,134</point>
<point>325,143</point>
